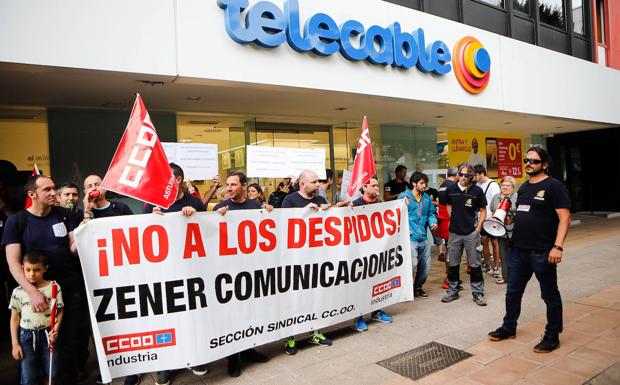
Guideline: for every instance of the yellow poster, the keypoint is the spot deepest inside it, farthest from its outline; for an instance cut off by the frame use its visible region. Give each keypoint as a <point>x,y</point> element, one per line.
<point>500,153</point>
<point>25,142</point>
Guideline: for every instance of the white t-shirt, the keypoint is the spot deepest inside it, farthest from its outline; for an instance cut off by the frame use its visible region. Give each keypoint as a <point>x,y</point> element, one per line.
<point>490,192</point>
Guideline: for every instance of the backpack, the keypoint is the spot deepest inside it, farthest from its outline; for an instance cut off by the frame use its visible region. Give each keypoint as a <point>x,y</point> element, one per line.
<point>276,198</point>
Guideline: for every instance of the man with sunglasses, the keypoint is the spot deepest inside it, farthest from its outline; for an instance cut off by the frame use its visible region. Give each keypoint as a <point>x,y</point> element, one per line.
<point>541,224</point>
<point>464,200</point>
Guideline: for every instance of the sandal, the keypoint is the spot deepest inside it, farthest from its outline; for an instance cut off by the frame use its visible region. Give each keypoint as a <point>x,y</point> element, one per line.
<point>500,281</point>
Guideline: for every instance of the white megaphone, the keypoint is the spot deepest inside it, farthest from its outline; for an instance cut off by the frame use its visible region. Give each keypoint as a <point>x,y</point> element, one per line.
<point>495,225</point>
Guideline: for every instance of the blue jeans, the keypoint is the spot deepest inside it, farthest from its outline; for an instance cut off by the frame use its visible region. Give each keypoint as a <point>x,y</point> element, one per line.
<point>522,263</point>
<point>36,356</point>
<point>421,261</point>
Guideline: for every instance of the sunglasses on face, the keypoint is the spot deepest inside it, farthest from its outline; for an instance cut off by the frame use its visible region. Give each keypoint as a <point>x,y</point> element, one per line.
<point>466,175</point>
<point>531,161</point>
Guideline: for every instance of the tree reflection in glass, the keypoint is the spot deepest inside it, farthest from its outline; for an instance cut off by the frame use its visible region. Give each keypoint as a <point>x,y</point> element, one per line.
<point>551,12</point>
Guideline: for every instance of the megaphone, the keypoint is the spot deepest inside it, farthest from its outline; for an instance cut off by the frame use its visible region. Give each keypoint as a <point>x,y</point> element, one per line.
<point>495,226</point>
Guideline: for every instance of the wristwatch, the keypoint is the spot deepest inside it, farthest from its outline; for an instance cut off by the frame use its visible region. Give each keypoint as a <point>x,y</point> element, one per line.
<point>558,247</point>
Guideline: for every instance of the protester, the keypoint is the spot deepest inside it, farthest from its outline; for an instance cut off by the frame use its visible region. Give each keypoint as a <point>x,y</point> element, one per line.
<point>490,189</point>
<point>49,229</point>
<point>393,188</point>
<point>464,200</point>
<point>191,189</point>
<point>237,184</point>
<point>188,205</point>
<point>96,204</point>
<point>306,197</point>
<point>421,215</point>
<point>255,192</point>
<point>443,218</point>
<point>100,207</point>
<point>211,192</point>
<point>69,196</point>
<point>276,197</point>
<point>325,184</point>
<point>541,225</point>
<point>30,330</point>
<point>501,245</point>
<point>370,195</point>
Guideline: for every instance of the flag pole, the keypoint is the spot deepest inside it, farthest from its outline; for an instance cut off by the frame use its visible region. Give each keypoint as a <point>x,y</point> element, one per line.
<point>52,324</point>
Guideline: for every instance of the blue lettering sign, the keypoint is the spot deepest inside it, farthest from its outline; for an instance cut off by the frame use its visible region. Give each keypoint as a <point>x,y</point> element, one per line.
<point>265,24</point>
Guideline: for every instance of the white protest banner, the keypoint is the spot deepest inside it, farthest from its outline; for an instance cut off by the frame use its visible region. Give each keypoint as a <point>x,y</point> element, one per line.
<point>168,291</point>
<point>198,160</point>
<point>281,162</point>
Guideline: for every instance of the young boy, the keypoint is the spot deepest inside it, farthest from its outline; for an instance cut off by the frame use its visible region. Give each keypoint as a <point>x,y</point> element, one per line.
<point>29,329</point>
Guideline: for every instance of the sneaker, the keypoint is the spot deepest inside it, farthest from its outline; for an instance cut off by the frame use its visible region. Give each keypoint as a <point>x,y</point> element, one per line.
<point>234,365</point>
<point>420,293</point>
<point>547,345</point>
<point>497,273</point>
<point>255,356</point>
<point>360,324</point>
<point>134,379</point>
<point>479,300</point>
<point>381,316</point>
<point>162,378</point>
<point>199,370</point>
<point>318,338</point>
<point>500,334</point>
<point>445,284</point>
<point>485,268</point>
<point>449,298</point>
<point>291,346</point>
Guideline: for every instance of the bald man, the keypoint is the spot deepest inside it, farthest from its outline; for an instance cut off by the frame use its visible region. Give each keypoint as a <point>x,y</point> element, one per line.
<point>100,207</point>
<point>308,194</point>
<point>308,197</point>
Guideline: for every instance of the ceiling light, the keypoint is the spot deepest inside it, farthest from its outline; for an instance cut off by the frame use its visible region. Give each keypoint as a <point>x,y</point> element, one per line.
<point>340,109</point>
<point>438,116</point>
<point>507,122</point>
<point>207,122</point>
<point>193,98</point>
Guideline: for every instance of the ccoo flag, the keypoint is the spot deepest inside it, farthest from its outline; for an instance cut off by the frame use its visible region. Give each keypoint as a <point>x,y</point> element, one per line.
<point>364,164</point>
<point>140,167</point>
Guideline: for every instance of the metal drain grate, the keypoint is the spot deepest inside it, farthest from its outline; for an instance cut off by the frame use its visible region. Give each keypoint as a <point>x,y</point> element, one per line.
<point>423,360</point>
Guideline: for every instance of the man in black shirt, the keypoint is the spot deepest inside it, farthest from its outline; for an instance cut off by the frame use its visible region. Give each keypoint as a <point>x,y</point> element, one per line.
<point>393,188</point>
<point>188,206</point>
<point>95,203</point>
<point>541,224</point>
<point>463,200</point>
<point>236,185</point>
<point>370,195</point>
<point>184,202</point>
<point>308,197</point>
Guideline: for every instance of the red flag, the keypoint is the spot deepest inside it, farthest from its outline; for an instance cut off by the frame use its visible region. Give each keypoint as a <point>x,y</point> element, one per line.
<point>140,167</point>
<point>35,171</point>
<point>364,164</point>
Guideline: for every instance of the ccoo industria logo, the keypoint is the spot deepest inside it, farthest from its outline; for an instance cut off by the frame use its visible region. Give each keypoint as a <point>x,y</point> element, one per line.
<point>139,341</point>
<point>268,26</point>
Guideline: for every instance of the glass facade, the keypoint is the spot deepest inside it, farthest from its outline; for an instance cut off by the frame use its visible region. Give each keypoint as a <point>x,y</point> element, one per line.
<point>521,6</point>
<point>551,12</point>
<point>578,17</point>
<point>497,3</point>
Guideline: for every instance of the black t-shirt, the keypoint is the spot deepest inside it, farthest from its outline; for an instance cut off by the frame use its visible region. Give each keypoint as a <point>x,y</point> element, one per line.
<point>361,202</point>
<point>296,200</point>
<point>112,210</point>
<point>442,190</point>
<point>393,187</point>
<point>465,205</point>
<point>248,204</point>
<point>186,200</point>
<point>48,234</point>
<point>536,221</point>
